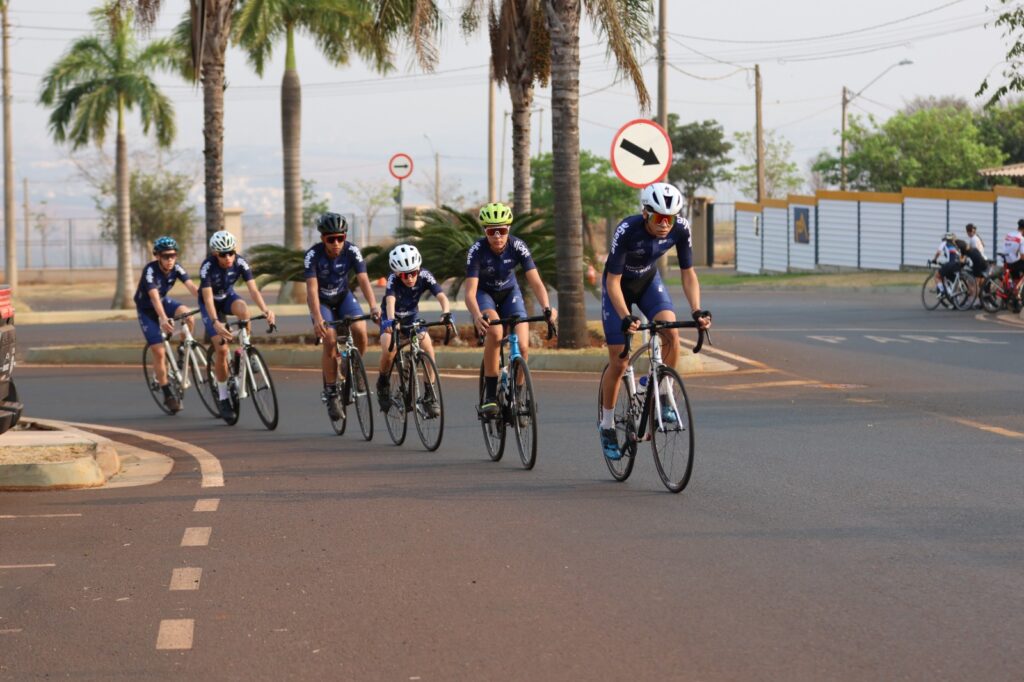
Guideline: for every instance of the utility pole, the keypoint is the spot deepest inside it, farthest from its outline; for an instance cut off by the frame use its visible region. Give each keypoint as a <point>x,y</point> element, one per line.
<point>437,180</point>
<point>10,235</point>
<point>28,222</point>
<point>663,69</point>
<point>492,192</point>
<point>842,142</point>
<point>759,133</point>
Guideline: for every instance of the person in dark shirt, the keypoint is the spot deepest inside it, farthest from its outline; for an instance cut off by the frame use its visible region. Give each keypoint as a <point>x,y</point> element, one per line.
<point>492,291</point>
<point>155,308</point>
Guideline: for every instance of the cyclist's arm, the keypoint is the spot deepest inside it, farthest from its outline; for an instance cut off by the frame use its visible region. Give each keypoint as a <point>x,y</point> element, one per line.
<point>211,311</point>
<point>613,286</point>
<point>158,306</point>
<point>446,306</point>
<point>190,285</point>
<point>389,306</point>
<point>691,289</point>
<point>364,285</point>
<point>257,298</point>
<point>313,302</point>
<point>537,286</point>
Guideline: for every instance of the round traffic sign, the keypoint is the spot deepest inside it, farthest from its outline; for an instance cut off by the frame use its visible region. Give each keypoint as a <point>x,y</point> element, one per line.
<point>400,166</point>
<point>641,152</point>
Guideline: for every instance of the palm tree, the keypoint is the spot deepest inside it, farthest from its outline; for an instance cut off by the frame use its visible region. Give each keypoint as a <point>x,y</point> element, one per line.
<point>338,27</point>
<point>99,75</point>
<point>623,23</point>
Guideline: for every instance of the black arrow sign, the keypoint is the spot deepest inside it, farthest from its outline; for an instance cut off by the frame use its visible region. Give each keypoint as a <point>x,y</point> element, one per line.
<point>401,165</point>
<point>648,157</point>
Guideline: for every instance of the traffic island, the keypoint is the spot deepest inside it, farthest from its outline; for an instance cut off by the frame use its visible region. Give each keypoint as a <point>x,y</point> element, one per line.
<point>41,454</point>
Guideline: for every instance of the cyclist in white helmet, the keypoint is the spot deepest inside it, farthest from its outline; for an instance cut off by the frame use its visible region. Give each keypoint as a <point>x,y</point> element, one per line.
<point>631,278</point>
<point>408,281</point>
<point>217,299</point>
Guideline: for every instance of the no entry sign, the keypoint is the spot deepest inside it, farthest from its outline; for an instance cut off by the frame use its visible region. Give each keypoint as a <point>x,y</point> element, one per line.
<point>641,152</point>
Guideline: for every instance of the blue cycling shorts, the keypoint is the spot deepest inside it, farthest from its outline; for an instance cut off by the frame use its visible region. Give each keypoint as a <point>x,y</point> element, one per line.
<point>223,308</point>
<point>150,323</point>
<point>345,306</point>
<point>651,299</point>
<point>507,303</point>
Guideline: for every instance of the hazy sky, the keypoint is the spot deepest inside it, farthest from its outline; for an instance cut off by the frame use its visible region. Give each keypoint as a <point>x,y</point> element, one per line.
<point>354,119</point>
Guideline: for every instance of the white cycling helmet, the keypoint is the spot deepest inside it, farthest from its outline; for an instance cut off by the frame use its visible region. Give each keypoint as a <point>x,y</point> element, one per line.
<point>662,198</point>
<point>405,258</point>
<point>222,241</point>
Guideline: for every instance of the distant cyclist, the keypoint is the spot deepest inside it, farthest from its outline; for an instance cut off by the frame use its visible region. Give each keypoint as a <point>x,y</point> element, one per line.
<point>1013,253</point>
<point>218,274</point>
<point>492,291</point>
<point>974,252</point>
<point>948,258</point>
<point>328,267</point>
<point>408,281</point>
<point>155,308</point>
<point>631,278</point>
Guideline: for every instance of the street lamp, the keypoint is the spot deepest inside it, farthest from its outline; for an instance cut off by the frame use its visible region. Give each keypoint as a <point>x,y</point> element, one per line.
<point>847,98</point>
<point>437,172</point>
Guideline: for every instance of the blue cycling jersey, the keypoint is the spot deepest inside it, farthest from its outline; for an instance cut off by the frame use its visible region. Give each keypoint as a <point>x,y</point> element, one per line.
<point>634,251</point>
<point>407,298</point>
<point>222,280</point>
<point>155,278</point>
<point>332,274</point>
<point>497,270</point>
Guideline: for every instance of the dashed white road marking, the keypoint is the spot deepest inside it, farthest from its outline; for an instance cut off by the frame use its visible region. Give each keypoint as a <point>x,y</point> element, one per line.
<point>10,631</point>
<point>829,339</point>
<point>976,339</point>
<point>998,430</point>
<point>185,578</point>
<point>767,384</point>
<point>175,634</point>
<point>13,566</point>
<point>196,537</point>
<point>208,505</point>
<point>37,516</point>
<point>725,354</point>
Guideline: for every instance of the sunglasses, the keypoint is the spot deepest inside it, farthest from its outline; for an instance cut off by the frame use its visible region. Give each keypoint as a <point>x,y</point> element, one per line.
<point>412,274</point>
<point>663,219</point>
<point>496,231</point>
<point>167,256</point>
<point>225,254</point>
<point>334,239</point>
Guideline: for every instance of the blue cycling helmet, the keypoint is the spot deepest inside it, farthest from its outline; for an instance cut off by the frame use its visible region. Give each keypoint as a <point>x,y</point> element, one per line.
<point>165,244</point>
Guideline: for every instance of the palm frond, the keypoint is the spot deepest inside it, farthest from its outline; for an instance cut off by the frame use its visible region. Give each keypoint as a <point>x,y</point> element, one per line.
<point>625,23</point>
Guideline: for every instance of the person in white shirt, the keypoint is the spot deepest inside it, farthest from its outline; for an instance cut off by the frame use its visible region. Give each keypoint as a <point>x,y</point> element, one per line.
<point>1013,250</point>
<point>975,252</point>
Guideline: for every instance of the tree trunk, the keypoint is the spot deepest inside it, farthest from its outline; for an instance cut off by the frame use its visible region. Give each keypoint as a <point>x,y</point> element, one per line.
<point>291,142</point>
<point>563,24</point>
<point>123,289</point>
<point>522,102</point>
<point>215,43</point>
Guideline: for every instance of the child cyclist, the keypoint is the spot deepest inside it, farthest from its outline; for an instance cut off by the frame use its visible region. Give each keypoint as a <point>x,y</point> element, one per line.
<point>408,281</point>
<point>493,292</point>
<point>217,275</point>
<point>155,308</point>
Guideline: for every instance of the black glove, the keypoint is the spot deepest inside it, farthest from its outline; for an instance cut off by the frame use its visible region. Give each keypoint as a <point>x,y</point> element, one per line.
<point>628,321</point>
<point>447,318</point>
<point>697,314</point>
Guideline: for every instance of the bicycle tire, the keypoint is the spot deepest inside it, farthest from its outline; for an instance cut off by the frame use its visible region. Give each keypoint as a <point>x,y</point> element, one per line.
<point>673,445</point>
<point>359,392</point>
<point>493,427</point>
<point>523,406</point>
<point>261,389</point>
<point>339,384</point>
<point>429,428</point>
<point>200,378</point>
<point>151,384</point>
<point>930,297</point>
<point>625,430</point>
<point>961,297</point>
<point>235,402</point>
<point>396,417</point>
<point>989,297</point>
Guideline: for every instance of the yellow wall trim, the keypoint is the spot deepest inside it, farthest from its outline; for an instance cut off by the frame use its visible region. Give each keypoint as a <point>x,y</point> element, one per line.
<point>1007,191</point>
<point>775,203</point>
<point>948,194</point>
<point>877,197</point>
<point>748,207</point>
<point>802,200</point>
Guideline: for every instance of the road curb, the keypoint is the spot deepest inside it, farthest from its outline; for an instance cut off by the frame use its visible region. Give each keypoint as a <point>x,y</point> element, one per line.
<point>89,470</point>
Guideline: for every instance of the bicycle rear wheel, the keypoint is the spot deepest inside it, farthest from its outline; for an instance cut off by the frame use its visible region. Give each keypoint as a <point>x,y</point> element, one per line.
<point>672,438</point>
<point>201,378</point>
<point>428,403</point>
<point>625,431</point>
<point>524,413</point>
<point>960,293</point>
<point>359,393</point>
<point>151,383</point>
<point>989,296</point>
<point>395,417</point>
<point>261,386</point>
<point>493,427</point>
<point>930,297</point>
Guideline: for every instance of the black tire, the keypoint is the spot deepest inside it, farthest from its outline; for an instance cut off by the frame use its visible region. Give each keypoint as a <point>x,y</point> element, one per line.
<point>150,376</point>
<point>430,428</point>
<point>930,297</point>
<point>625,430</point>
<point>342,422</point>
<point>261,389</point>
<point>200,379</point>
<point>523,408</point>
<point>492,427</point>
<point>961,294</point>
<point>359,394</point>
<point>396,416</point>
<point>673,444</point>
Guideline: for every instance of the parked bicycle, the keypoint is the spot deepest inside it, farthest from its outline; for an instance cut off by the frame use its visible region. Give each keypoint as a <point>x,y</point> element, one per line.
<point>654,408</point>
<point>185,367</point>
<point>248,376</point>
<point>516,408</point>
<point>351,385</point>
<point>956,292</point>
<point>414,385</point>
<point>999,291</point>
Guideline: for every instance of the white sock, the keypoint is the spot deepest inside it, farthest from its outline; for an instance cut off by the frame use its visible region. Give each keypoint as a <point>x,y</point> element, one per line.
<point>222,390</point>
<point>607,418</point>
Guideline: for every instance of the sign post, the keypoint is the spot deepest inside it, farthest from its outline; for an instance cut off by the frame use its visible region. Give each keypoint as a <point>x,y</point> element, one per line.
<point>400,167</point>
<point>641,153</point>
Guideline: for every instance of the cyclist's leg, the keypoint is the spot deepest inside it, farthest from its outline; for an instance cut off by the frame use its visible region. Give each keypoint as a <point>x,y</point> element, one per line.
<point>154,337</point>
<point>387,356</point>
<point>220,349</point>
<point>616,342</point>
<point>328,365</point>
<point>513,306</point>
<point>349,306</point>
<point>656,304</point>
<point>492,344</point>
<point>427,344</point>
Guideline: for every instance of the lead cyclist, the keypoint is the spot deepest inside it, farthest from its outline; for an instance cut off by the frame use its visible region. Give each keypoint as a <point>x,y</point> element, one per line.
<point>631,278</point>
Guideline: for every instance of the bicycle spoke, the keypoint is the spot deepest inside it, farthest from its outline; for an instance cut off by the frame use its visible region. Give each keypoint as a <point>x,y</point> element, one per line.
<point>671,425</point>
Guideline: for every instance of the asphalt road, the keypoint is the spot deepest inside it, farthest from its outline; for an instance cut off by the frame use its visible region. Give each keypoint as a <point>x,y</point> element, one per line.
<point>855,513</point>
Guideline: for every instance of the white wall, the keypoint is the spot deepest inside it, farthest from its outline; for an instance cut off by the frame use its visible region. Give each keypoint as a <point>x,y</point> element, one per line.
<point>977,212</point>
<point>880,235</point>
<point>801,256</point>
<point>1010,210</point>
<point>924,223</point>
<point>776,239</point>
<point>837,232</point>
<point>748,241</point>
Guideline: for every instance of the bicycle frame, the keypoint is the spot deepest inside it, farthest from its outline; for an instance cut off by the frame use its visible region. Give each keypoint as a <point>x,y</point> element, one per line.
<point>511,339</point>
<point>188,341</point>
<point>410,347</point>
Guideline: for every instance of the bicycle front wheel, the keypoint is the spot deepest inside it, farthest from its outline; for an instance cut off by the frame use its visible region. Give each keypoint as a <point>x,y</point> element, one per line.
<point>261,386</point>
<point>149,373</point>
<point>960,293</point>
<point>625,431</point>
<point>394,412</point>
<point>524,413</point>
<point>359,389</point>
<point>930,297</point>
<point>493,427</point>
<point>201,378</point>
<point>989,296</point>
<point>672,431</point>
<point>428,403</point>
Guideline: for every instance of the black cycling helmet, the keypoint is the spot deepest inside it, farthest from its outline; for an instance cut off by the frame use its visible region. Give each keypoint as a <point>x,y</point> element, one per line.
<point>1020,224</point>
<point>332,223</point>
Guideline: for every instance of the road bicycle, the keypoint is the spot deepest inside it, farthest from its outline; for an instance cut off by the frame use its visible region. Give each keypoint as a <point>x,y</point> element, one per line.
<point>350,384</point>
<point>956,292</point>
<point>516,408</point>
<point>999,290</point>
<point>185,367</point>
<point>248,376</point>
<point>661,416</point>
<point>414,385</point>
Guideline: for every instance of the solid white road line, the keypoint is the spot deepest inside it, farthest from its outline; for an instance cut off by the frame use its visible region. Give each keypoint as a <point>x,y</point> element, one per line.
<point>186,578</point>
<point>998,430</point>
<point>208,505</point>
<point>213,474</point>
<point>37,516</point>
<point>175,634</point>
<point>765,384</point>
<point>11,566</point>
<point>196,537</point>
